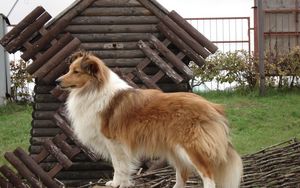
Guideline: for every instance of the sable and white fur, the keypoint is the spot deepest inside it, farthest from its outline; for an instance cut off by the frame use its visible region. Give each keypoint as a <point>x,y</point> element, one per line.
<point>121,124</point>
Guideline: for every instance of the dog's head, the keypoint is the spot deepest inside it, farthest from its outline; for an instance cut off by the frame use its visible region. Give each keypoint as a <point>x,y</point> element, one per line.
<point>85,70</point>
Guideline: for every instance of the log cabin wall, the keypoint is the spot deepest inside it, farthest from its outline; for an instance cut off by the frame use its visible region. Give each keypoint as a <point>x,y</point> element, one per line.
<point>110,30</point>
<point>139,39</point>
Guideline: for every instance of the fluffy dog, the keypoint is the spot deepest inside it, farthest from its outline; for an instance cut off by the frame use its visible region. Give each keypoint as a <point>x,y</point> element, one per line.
<point>122,124</point>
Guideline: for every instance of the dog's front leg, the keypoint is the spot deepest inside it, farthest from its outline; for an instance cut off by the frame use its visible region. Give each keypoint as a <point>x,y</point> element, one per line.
<point>122,164</point>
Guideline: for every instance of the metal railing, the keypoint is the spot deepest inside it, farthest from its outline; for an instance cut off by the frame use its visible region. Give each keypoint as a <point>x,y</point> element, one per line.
<point>228,33</point>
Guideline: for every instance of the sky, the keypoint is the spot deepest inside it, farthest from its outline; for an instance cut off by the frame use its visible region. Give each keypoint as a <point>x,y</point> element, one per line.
<point>186,8</point>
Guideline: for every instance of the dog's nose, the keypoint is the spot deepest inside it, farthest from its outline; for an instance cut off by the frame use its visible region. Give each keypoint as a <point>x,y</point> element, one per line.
<point>57,81</point>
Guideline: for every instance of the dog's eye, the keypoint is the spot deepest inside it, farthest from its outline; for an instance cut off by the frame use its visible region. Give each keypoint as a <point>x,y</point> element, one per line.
<point>75,72</point>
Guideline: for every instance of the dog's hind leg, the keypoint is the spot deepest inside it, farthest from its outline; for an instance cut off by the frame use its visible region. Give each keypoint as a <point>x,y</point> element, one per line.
<point>203,168</point>
<point>122,164</point>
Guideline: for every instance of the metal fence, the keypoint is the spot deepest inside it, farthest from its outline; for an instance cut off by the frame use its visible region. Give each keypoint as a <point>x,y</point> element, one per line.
<point>228,33</point>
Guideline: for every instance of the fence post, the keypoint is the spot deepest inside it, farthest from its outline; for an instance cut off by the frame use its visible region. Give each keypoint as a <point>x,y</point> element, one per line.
<point>261,43</point>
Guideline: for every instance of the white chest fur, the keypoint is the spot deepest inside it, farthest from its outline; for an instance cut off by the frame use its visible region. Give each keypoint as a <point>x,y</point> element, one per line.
<point>84,111</point>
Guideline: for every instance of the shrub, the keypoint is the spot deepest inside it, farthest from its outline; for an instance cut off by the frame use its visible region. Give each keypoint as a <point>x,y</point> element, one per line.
<point>19,81</point>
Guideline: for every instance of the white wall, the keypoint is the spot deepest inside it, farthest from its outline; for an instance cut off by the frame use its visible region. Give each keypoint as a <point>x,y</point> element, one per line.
<point>4,65</point>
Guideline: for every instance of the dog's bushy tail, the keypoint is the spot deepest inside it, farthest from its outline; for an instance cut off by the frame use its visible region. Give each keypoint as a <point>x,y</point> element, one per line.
<point>229,173</point>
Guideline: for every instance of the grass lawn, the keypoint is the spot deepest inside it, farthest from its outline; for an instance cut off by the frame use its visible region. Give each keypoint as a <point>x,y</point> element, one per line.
<point>14,128</point>
<point>256,122</point>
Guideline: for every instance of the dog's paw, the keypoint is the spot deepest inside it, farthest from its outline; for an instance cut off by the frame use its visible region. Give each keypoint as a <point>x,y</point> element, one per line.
<point>124,184</point>
<point>112,184</point>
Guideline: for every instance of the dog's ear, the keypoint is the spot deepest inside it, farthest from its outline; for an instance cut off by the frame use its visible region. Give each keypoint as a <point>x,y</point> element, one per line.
<point>89,65</point>
<point>75,56</point>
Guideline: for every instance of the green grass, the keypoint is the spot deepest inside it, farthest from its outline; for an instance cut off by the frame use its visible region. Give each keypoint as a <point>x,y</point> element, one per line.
<point>14,128</point>
<point>257,122</point>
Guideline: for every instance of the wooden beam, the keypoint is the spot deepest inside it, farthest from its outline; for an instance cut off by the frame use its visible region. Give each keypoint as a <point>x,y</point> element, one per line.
<point>56,72</point>
<point>117,11</point>
<point>118,54</point>
<point>171,57</point>
<point>150,28</point>
<point>145,79</point>
<point>113,37</point>
<point>35,168</point>
<point>45,40</point>
<point>22,169</point>
<point>30,18</point>
<point>4,183</point>
<point>58,58</point>
<point>116,3</point>
<point>113,20</point>
<point>16,43</point>
<point>68,131</point>
<point>187,50</point>
<point>57,153</point>
<point>193,32</point>
<point>182,34</point>
<point>160,62</point>
<point>12,177</point>
<point>62,42</point>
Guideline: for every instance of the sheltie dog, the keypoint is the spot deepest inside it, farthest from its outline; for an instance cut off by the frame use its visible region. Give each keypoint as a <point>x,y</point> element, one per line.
<point>122,123</point>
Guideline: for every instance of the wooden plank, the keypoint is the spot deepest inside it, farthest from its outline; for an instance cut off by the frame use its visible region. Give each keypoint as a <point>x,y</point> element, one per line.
<point>16,43</point>
<point>12,177</point>
<point>62,42</point>
<point>193,32</point>
<point>181,44</point>
<point>39,89</point>
<point>109,46</point>
<point>131,62</point>
<point>68,150</point>
<point>44,132</point>
<point>4,183</point>
<point>145,79</point>
<point>119,54</point>
<point>171,57</point>
<point>60,94</point>
<point>55,170</point>
<point>43,124</point>
<point>111,28</point>
<point>113,37</point>
<point>160,62</point>
<point>56,72</point>
<point>46,106</point>
<point>57,58</point>
<point>113,20</point>
<point>68,131</point>
<point>30,18</point>
<point>75,11</point>
<point>22,169</point>
<point>45,98</point>
<point>57,153</point>
<point>116,11</point>
<point>116,3</point>
<point>35,168</point>
<point>182,34</point>
<point>45,40</point>
<point>42,155</point>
